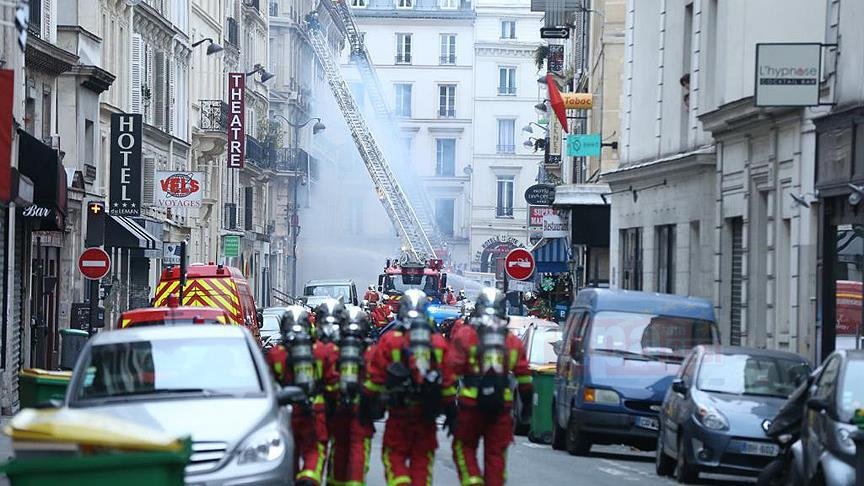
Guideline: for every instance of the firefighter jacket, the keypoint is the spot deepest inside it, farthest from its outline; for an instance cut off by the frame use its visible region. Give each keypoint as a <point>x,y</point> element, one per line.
<point>465,358</point>
<point>326,375</point>
<point>394,347</point>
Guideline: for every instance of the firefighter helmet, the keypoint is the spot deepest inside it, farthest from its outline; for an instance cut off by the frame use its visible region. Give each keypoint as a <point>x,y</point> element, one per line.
<point>412,304</point>
<point>491,302</point>
<point>296,321</point>
<point>329,317</point>
<point>357,322</point>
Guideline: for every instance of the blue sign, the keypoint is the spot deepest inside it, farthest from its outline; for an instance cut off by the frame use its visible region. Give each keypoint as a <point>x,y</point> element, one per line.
<point>584,145</point>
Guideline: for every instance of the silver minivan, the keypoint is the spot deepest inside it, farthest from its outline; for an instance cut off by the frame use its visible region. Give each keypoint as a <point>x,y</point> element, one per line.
<point>208,382</point>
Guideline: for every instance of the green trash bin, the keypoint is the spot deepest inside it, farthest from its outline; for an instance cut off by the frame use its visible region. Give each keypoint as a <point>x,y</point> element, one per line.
<point>38,386</point>
<point>541,416</point>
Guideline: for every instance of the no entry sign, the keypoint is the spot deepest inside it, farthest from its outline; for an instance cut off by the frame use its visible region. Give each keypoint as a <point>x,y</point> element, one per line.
<point>519,264</point>
<point>94,263</point>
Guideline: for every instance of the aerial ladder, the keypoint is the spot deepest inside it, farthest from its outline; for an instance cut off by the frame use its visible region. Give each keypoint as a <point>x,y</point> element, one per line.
<point>360,57</point>
<point>415,241</point>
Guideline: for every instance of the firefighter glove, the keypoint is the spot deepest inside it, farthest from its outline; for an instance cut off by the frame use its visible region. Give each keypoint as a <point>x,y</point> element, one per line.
<point>451,414</point>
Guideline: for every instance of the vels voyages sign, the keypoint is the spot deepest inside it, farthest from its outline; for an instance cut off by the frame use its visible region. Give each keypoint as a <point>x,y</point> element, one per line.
<point>124,197</point>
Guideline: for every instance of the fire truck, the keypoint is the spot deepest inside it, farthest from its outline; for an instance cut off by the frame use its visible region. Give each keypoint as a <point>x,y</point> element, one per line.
<point>401,276</point>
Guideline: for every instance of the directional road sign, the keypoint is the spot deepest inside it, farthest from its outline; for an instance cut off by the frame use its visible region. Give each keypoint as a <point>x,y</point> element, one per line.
<point>554,33</point>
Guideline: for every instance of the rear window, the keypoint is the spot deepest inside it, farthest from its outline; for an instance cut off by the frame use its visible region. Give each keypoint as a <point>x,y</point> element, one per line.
<point>271,323</point>
<point>649,334</point>
<point>334,291</point>
<point>541,351</point>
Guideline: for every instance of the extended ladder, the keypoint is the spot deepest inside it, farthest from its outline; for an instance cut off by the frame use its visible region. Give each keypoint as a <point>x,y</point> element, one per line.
<point>415,240</point>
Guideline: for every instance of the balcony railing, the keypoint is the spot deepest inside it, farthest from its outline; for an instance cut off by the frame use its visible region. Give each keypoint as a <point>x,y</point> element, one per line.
<point>257,153</point>
<point>447,59</point>
<point>403,58</point>
<point>446,112</point>
<point>504,211</point>
<point>214,116</point>
<point>506,149</point>
<point>506,90</point>
<point>231,38</point>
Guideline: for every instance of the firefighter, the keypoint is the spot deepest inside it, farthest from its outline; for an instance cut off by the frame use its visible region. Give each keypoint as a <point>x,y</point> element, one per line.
<point>329,317</point>
<point>371,295</point>
<point>484,355</point>
<point>351,437</point>
<point>300,360</point>
<point>449,297</point>
<point>408,367</point>
<point>381,315</point>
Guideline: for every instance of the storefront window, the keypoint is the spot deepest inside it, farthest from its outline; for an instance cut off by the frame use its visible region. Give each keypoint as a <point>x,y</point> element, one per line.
<point>848,284</point>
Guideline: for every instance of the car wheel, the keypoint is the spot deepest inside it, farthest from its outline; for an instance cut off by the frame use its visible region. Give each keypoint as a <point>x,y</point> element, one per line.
<point>685,472</point>
<point>664,465</point>
<point>577,442</point>
<point>558,434</point>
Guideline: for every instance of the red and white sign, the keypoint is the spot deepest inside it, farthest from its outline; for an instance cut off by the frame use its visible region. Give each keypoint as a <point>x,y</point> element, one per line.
<point>536,213</point>
<point>94,263</point>
<point>519,264</point>
<point>178,189</point>
<point>236,120</point>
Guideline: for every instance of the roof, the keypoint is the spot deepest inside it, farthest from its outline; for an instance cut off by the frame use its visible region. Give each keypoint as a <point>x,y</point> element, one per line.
<point>158,313</point>
<point>646,302</point>
<point>772,353</point>
<point>346,281</point>
<point>152,333</point>
<point>199,270</point>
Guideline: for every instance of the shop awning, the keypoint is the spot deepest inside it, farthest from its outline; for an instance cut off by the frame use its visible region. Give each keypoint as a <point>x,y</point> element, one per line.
<point>40,164</point>
<point>125,232</point>
<point>552,256</point>
<point>589,212</point>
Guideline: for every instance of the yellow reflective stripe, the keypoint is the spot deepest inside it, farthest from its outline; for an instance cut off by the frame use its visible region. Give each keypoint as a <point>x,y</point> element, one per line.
<point>318,400</point>
<point>367,450</point>
<point>373,387</point>
<point>514,357</point>
<point>163,290</point>
<point>125,322</point>
<point>388,471</point>
<point>472,480</point>
<point>459,452</point>
<point>523,380</point>
<point>449,391</point>
<point>439,355</point>
<point>319,369</point>
<point>332,387</point>
<point>508,395</point>
<point>469,392</point>
<point>396,355</point>
<point>277,367</point>
<point>314,474</point>
<point>226,289</point>
<point>399,480</point>
<point>431,457</point>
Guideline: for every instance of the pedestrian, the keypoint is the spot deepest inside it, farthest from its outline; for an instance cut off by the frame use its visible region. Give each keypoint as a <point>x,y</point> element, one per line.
<point>300,360</point>
<point>483,354</point>
<point>408,366</point>
<point>351,437</point>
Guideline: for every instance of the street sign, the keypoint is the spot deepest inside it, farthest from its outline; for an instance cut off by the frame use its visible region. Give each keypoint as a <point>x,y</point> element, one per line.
<point>94,263</point>
<point>95,224</point>
<point>554,226</point>
<point>788,74</point>
<point>540,195</point>
<point>231,245</point>
<point>554,33</point>
<point>519,264</point>
<point>578,101</point>
<point>584,145</point>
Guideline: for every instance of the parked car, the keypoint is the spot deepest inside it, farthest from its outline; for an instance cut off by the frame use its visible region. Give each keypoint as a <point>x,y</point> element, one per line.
<point>519,324</point>
<point>539,340</point>
<point>716,414</point>
<point>207,382</point>
<point>317,291</point>
<point>270,331</point>
<point>826,452</point>
<point>620,352</point>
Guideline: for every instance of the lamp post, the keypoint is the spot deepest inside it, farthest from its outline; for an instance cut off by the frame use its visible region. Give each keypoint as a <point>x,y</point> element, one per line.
<point>295,219</point>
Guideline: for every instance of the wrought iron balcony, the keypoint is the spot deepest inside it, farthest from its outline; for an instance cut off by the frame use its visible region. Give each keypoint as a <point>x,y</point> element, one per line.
<point>506,149</point>
<point>447,59</point>
<point>257,153</point>
<point>214,116</point>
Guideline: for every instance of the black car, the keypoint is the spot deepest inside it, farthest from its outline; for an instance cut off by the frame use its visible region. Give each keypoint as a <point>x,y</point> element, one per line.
<point>720,405</point>
<point>270,333</point>
<point>826,451</point>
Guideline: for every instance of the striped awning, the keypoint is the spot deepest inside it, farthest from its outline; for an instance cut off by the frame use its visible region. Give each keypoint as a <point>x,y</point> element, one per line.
<point>552,256</point>
<point>125,232</point>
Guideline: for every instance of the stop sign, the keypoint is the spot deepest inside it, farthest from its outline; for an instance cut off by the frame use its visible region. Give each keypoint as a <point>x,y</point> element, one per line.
<point>94,263</point>
<point>519,264</point>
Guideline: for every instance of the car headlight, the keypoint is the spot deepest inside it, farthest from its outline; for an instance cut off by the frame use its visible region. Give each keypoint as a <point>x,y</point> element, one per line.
<point>266,445</point>
<point>711,418</point>
<point>601,396</point>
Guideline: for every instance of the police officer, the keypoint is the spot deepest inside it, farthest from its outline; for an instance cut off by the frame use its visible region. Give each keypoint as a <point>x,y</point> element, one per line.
<point>408,366</point>
<point>484,355</point>
<point>300,360</point>
<point>351,437</point>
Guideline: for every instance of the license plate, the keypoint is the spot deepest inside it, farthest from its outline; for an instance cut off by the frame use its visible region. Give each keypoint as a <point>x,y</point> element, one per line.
<point>759,449</point>
<point>650,423</point>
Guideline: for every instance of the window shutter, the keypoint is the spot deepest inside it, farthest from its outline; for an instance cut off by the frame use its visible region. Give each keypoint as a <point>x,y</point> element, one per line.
<point>48,20</point>
<point>149,181</point>
<point>248,206</point>
<point>159,92</point>
<point>171,114</point>
<point>135,74</point>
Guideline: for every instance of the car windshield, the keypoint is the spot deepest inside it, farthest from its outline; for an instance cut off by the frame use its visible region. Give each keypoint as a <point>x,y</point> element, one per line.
<point>334,291</point>
<point>851,395</point>
<point>648,334</point>
<point>271,323</point>
<point>744,374</point>
<point>401,283</point>
<point>541,351</point>
<point>166,366</point>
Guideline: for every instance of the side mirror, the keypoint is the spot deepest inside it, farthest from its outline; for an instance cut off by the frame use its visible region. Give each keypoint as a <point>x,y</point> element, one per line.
<point>678,386</point>
<point>259,317</point>
<point>820,405</point>
<point>289,395</point>
<point>558,346</point>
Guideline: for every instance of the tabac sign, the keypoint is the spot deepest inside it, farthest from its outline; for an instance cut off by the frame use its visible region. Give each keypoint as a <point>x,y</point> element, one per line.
<point>124,198</point>
<point>236,120</point>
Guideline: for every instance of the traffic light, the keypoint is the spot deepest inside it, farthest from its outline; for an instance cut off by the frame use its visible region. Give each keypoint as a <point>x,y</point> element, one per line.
<point>95,224</point>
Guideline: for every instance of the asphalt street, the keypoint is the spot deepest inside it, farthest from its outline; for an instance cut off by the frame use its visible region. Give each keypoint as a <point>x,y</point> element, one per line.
<point>536,464</point>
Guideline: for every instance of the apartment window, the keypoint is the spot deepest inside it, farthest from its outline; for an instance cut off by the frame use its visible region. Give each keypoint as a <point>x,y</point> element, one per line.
<point>445,157</point>
<point>447,100</point>
<point>403,99</point>
<point>506,136</point>
<point>405,4</point>
<point>444,213</point>
<point>506,80</point>
<point>274,8</point>
<point>666,258</point>
<point>403,48</point>
<point>89,142</point>
<point>631,258</point>
<point>448,49</point>
<point>449,4</point>
<point>508,29</point>
<point>358,3</point>
<point>504,208</point>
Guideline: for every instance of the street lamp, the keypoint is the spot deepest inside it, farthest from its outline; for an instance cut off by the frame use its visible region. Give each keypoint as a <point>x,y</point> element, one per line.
<point>212,48</point>
<point>295,220</point>
<point>856,195</point>
<point>541,106</point>
<point>265,76</point>
<point>527,128</point>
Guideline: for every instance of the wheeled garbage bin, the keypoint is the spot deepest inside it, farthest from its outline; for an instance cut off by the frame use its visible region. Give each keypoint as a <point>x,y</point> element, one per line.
<point>72,341</point>
<point>38,386</point>
<point>541,416</point>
